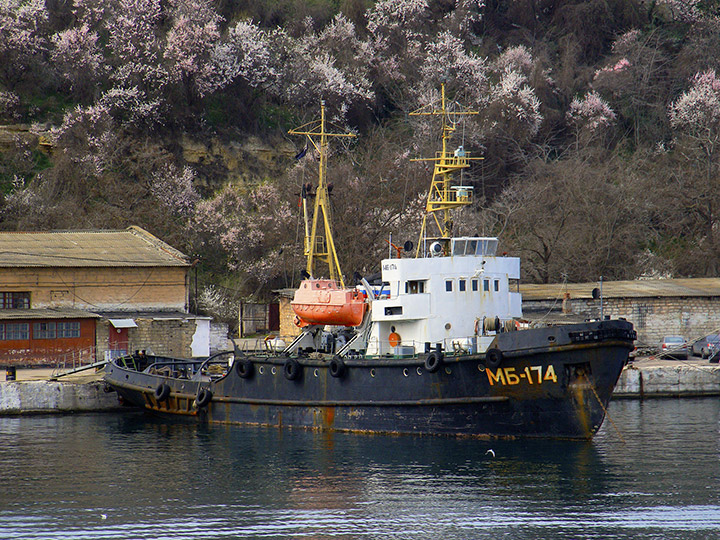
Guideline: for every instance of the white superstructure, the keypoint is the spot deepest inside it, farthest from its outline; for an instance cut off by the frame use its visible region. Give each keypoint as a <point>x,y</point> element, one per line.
<point>445,300</point>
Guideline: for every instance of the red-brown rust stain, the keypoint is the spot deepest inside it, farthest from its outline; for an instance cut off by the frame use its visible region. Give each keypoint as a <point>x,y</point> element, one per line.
<point>328,414</point>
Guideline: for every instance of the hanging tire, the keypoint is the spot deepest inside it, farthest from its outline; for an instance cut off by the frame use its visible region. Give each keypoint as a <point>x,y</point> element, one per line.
<point>337,367</point>
<point>203,398</point>
<point>433,361</point>
<point>493,358</point>
<point>292,369</point>
<point>162,392</point>
<point>244,368</point>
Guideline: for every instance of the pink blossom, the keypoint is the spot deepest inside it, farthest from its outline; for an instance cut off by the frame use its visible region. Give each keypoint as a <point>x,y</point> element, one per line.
<point>591,112</point>
<point>173,188</point>
<point>698,109</point>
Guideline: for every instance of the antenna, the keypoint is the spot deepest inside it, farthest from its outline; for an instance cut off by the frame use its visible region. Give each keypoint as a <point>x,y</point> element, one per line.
<point>442,197</point>
<point>316,246</point>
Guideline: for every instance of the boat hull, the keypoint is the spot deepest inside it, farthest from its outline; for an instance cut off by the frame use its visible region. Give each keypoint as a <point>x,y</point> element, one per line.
<point>551,382</point>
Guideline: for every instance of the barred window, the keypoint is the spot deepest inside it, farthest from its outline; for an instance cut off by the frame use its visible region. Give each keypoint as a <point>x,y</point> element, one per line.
<point>14,300</point>
<point>17,331</point>
<point>44,330</point>
<point>68,329</point>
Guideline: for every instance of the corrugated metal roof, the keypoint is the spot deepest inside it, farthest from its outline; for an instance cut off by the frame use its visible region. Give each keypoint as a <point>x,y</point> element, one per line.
<point>130,247</point>
<point>48,313</point>
<point>650,288</point>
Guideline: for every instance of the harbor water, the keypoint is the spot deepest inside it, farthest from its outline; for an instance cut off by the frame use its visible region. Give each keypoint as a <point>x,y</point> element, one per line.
<point>654,472</point>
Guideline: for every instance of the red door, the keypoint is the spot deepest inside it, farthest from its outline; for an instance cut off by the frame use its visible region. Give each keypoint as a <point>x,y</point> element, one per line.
<point>118,340</point>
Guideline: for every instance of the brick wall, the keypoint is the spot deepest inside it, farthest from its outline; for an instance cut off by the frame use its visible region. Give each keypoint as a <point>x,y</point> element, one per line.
<point>103,289</point>
<point>288,328</point>
<point>164,337</point>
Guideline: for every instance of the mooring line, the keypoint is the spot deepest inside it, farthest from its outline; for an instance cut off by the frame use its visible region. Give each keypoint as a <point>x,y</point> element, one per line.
<point>592,387</point>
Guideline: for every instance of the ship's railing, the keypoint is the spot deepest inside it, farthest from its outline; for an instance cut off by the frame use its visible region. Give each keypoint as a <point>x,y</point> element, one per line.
<point>413,348</point>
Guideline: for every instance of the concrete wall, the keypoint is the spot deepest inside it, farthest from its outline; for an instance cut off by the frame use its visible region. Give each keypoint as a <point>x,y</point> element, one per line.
<point>149,288</point>
<point>653,318</point>
<point>671,381</point>
<point>46,396</point>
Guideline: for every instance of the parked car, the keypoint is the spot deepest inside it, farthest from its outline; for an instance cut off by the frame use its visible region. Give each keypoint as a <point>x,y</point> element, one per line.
<point>706,346</point>
<point>674,347</point>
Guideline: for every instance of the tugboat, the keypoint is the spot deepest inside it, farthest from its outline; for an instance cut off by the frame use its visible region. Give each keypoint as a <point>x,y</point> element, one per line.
<point>441,349</point>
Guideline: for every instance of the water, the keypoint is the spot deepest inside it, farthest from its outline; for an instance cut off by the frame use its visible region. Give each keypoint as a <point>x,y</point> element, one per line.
<point>133,476</point>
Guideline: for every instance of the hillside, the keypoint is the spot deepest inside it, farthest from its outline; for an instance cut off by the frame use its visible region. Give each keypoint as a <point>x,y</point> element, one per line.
<point>598,121</point>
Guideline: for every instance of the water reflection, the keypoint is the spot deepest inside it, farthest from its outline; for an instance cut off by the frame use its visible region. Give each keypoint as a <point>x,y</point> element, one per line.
<point>136,476</point>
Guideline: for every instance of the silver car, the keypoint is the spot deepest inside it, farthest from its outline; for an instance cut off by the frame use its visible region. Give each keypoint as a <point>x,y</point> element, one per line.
<point>674,347</point>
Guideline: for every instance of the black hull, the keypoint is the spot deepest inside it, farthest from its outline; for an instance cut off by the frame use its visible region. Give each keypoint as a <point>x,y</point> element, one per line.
<point>551,382</point>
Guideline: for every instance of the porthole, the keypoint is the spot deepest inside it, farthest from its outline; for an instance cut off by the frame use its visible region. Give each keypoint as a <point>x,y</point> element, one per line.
<point>481,367</point>
<point>315,373</point>
<point>419,370</point>
<point>261,370</point>
<point>448,370</point>
<point>273,370</point>
<point>372,372</point>
<point>406,372</point>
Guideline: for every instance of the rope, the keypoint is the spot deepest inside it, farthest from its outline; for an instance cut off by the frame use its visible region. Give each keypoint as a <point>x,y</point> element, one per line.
<point>592,387</point>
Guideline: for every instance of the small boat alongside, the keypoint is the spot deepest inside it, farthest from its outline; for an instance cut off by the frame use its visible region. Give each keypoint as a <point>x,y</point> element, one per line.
<point>440,348</point>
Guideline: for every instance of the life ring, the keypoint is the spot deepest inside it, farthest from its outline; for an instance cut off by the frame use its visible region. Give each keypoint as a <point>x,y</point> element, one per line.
<point>204,397</point>
<point>162,392</point>
<point>244,368</point>
<point>433,361</point>
<point>493,358</point>
<point>394,339</point>
<point>292,369</point>
<point>337,367</point>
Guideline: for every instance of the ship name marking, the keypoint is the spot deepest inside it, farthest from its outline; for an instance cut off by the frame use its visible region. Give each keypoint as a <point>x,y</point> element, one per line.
<point>532,374</point>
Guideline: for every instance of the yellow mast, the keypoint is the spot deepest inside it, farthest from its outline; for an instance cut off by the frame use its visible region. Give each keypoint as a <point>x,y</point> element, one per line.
<point>443,197</point>
<point>316,246</point>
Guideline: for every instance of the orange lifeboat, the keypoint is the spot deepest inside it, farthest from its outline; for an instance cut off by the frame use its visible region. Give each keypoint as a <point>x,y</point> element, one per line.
<point>323,301</point>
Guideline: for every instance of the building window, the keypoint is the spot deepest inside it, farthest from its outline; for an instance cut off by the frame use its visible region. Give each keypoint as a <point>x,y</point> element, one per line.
<point>14,300</point>
<point>68,330</point>
<point>14,331</point>
<point>44,330</point>
<point>475,285</point>
<point>461,285</point>
<point>497,285</point>
<point>448,285</point>
<point>486,285</point>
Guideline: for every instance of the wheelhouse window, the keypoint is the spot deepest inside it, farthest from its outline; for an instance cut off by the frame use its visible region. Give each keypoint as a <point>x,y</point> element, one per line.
<point>486,285</point>
<point>497,285</point>
<point>14,300</point>
<point>415,287</point>
<point>475,285</point>
<point>44,330</point>
<point>448,285</point>
<point>16,331</point>
<point>461,285</point>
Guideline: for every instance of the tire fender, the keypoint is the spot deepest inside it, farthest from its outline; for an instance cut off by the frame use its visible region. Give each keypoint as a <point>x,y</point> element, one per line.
<point>433,361</point>
<point>493,358</point>
<point>292,369</point>
<point>162,392</point>
<point>203,398</point>
<point>337,367</point>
